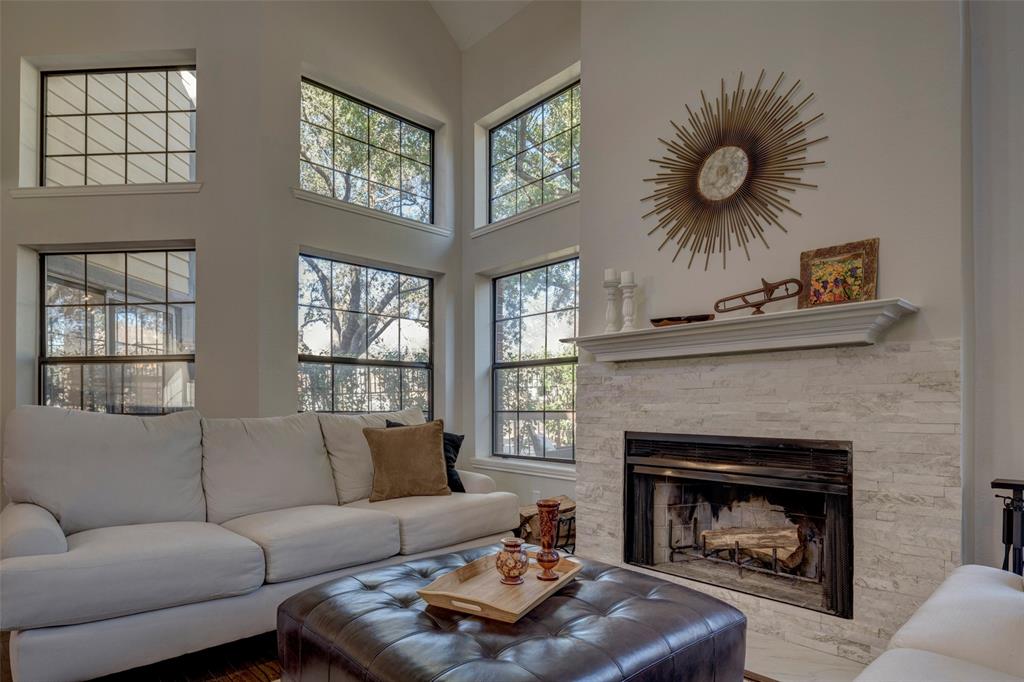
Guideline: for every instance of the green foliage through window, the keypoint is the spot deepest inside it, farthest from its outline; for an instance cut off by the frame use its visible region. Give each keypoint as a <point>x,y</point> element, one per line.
<point>535,157</point>
<point>534,375</point>
<point>119,331</point>
<point>365,342</point>
<point>362,155</point>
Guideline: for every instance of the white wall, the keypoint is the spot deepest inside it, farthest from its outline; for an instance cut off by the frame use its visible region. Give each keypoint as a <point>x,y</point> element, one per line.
<point>246,225</point>
<point>887,77</point>
<point>536,45</point>
<point>997,47</point>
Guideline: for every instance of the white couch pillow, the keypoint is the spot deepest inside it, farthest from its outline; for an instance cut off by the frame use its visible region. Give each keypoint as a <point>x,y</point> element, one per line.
<point>261,464</point>
<point>350,454</point>
<point>94,470</point>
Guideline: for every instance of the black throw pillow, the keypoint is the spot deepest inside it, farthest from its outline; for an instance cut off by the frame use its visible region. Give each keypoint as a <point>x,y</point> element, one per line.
<point>452,445</point>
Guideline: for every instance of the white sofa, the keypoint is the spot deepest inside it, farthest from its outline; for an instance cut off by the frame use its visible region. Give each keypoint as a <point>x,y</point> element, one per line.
<point>970,630</point>
<point>129,540</point>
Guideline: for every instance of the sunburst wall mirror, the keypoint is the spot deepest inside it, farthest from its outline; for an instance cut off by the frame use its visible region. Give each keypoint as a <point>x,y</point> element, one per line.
<point>730,170</point>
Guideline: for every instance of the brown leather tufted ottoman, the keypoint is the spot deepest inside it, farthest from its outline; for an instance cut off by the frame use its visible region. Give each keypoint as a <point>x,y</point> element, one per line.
<point>609,624</point>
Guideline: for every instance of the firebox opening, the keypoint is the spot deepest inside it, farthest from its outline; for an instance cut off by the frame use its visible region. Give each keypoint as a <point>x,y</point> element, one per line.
<point>737,535</point>
<point>744,514</point>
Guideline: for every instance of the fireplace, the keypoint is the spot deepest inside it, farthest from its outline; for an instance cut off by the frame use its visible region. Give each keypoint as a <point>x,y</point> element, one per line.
<point>763,516</point>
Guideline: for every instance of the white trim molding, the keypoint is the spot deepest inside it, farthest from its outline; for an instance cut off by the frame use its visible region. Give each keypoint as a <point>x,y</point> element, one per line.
<point>106,190</point>
<point>561,472</point>
<point>526,215</point>
<point>331,202</point>
<point>850,324</point>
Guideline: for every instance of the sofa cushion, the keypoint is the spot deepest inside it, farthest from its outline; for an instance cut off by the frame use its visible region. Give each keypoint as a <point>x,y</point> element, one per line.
<point>913,665</point>
<point>94,470</point>
<point>452,445</point>
<point>428,523</point>
<point>350,455</point>
<point>976,615</point>
<point>110,572</point>
<point>408,461</point>
<point>260,464</point>
<point>304,541</point>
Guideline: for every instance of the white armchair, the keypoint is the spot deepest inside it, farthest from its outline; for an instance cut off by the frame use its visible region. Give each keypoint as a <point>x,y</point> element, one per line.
<point>970,629</point>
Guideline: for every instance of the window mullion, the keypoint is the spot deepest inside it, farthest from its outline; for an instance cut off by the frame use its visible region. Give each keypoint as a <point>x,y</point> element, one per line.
<point>334,175</point>
<point>167,126</point>
<point>126,128</point>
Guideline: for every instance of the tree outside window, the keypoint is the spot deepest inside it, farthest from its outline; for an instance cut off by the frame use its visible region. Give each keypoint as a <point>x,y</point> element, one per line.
<point>362,155</point>
<point>535,156</point>
<point>534,372</point>
<point>364,338</point>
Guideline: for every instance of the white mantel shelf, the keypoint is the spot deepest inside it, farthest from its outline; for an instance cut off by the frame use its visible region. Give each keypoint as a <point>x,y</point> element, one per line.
<point>850,324</point>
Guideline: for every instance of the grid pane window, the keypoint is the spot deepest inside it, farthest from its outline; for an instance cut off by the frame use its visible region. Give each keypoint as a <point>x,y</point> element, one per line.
<point>130,126</point>
<point>119,331</point>
<point>365,341</point>
<point>535,157</point>
<point>534,375</point>
<point>363,155</point>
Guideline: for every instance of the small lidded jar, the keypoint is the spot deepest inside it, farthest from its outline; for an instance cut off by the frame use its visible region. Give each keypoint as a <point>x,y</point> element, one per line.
<point>512,561</point>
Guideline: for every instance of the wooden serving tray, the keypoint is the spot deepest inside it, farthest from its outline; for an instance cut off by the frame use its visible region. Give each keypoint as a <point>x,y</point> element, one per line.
<point>476,589</point>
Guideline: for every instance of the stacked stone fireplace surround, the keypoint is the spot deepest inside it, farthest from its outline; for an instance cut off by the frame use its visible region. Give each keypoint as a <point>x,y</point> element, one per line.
<point>899,404</point>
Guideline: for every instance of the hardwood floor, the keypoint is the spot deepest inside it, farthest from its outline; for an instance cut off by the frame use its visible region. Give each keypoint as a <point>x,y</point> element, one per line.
<point>5,661</point>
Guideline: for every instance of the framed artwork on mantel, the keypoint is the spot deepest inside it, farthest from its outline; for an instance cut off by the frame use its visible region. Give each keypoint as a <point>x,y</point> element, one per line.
<point>839,274</point>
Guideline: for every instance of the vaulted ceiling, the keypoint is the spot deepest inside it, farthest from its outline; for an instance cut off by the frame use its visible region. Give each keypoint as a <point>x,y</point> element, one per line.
<point>470,20</point>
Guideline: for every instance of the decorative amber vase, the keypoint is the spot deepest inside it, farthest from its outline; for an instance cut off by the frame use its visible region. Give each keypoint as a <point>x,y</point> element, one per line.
<point>512,561</point>
<point>547,557</point>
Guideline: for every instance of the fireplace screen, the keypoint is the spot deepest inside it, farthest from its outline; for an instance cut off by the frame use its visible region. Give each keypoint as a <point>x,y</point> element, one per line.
<point>766,517</point>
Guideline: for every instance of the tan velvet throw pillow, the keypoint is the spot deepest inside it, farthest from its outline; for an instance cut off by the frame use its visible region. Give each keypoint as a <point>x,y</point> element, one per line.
<point>408,461</point>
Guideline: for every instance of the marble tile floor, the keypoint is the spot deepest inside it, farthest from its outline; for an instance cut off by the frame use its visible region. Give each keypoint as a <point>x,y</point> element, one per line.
<point>788,662</point>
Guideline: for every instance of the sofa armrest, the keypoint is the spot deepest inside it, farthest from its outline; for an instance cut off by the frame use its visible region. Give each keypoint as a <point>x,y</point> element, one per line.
<point>477,483</point>
<point>27,529</point>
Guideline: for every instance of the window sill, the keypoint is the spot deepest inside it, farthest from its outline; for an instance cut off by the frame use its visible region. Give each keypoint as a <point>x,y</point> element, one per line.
<point>330,202</point>
<point>526,215</point>
<point>106,190</point>
<point>561,472</point>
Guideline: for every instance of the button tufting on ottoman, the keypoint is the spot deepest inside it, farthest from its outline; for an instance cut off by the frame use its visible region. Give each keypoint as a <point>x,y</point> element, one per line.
<point>608,624</point>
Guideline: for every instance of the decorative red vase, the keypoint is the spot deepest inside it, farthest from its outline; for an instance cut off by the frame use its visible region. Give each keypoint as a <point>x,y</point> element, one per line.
<point>547,557</point>
<point>512,561</point>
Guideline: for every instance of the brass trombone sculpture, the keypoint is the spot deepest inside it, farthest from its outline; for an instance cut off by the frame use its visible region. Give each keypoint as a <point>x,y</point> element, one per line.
<point>769,293</point>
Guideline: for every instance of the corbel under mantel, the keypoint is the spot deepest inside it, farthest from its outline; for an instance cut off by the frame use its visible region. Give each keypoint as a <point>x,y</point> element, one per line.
<point>850,324</point>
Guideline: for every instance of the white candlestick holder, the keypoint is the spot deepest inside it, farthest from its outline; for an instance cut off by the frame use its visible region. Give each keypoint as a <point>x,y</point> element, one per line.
<point>611,309</point>
<point>628,307</point>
